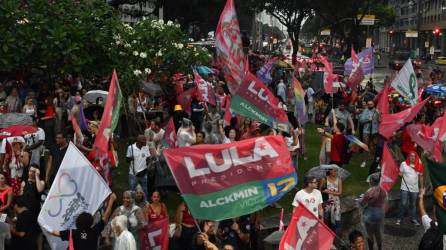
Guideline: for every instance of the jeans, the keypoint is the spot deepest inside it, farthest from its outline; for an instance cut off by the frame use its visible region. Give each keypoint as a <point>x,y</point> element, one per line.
<point>408,202</point>
<point>135,180</point>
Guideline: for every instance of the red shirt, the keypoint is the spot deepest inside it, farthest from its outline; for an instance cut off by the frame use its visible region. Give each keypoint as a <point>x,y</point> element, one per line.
<point>337,145</point>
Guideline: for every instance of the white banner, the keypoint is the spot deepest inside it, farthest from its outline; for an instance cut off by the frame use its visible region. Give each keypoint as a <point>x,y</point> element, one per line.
<point>77,188</point>
<point>405,83</point>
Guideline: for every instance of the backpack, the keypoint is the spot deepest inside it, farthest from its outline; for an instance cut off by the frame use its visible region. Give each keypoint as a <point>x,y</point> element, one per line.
<point>432,238</point>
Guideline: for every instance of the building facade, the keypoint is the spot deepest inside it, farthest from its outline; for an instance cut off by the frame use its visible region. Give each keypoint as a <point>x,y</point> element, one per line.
<point>420,25</point>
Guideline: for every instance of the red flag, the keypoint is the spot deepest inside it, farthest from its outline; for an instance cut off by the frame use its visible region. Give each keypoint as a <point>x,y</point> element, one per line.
<point>155,235</point>
<point>328,75</point>
<point>170,136</point>
<point>429,137</point>
<point>110,115</point>
<point>205,90</point>
<point>228,43</point>
<point>392,122</point>
<point>227,117</point>
<point>383,101</point>
<point>305,231</point>
<point>389,170</point>
<point>185,98</point>
<point>357,74</point>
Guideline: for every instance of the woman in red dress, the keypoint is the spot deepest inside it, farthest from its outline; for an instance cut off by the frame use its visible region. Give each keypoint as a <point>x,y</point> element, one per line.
<point>156,210</point>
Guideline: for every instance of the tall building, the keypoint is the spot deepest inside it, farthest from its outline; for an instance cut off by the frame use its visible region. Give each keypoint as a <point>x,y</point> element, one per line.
<point>420,25</point>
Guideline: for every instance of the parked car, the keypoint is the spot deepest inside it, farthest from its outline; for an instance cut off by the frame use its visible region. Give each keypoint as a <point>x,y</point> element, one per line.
<point>441,60</point>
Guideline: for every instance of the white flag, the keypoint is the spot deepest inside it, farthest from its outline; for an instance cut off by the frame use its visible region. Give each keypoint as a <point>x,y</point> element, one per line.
<point>77,188</point>
<point>405,83</point>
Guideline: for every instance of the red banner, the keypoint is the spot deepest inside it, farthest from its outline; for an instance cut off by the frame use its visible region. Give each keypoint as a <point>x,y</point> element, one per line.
<point>254,100</point>
<point>155,235</point>
<point>209,168</point>
<point>305,231</point>
<point>228,43</point>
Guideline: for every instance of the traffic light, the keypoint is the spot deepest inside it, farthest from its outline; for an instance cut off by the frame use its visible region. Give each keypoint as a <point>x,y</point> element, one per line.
<point>436,32</point>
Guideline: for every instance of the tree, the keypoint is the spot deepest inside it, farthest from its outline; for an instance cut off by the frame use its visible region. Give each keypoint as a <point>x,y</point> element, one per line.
<point>42,35</point>
<point>289,13</point>
<point>344,17</point>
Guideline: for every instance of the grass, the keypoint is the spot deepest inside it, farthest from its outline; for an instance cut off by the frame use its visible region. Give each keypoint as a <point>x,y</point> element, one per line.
<point>353,185</point>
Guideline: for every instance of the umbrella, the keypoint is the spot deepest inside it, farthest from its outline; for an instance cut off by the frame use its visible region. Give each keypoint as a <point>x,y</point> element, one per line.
<point>204,70</point>
<point>92,96</point>
<point>320,172</point>
<point>17,130</point>
<point>436,89</point>
<point>10,119</point>
<point>152,88</point>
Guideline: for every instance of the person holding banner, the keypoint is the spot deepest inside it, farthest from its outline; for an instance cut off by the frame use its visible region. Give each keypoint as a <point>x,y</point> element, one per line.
<point>85,236</point>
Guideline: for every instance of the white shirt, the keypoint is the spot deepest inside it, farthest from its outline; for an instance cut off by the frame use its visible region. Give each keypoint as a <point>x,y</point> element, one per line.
<point>125,241</point>
<point>410,181</point>
<point>311,200</point>
<point>185,138</point>
<point>156,136</point>
<point>140,155</point>
<point>310,93</point>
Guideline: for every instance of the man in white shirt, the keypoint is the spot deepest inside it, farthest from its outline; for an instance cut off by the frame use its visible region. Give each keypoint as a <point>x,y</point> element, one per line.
<point>137,157</point>
<point>310,109</point>
<point>34,144</point>
<point>124,239</point>
<point>310,197</point>
<point>410,182</point>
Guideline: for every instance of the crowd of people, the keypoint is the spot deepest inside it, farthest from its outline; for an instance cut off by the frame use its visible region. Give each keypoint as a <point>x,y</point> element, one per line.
<point>30,163</point>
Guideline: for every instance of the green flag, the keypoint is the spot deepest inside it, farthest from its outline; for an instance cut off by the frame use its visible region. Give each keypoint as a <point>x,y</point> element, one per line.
<point>437,172</point>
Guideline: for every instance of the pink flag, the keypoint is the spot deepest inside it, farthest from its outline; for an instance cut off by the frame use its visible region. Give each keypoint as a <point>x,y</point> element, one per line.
<point>205,90</point>
<point>305,231</point>
<point>357,74</point>
<point>392,122</point>
<point>383,101</point>
<point>328,75</point>
<point>228,43</point>
<point>389,170</point>
<point>429,137</point>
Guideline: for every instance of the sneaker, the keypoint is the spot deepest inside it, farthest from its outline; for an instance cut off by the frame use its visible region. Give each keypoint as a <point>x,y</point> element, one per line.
<point>398,222</point>
<point>363,164</point>
<point>415,222</point>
